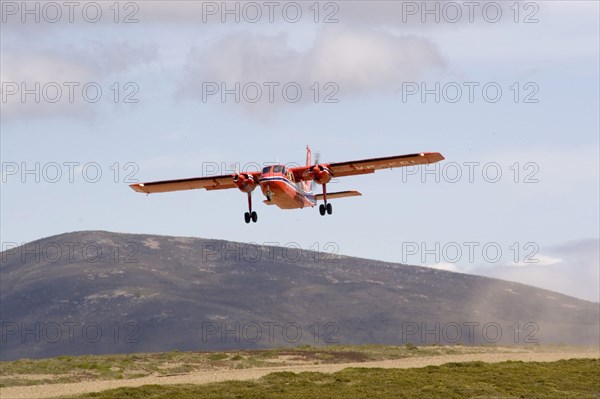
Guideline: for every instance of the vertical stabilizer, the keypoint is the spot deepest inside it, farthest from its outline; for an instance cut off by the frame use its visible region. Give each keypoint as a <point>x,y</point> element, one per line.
<point>307,186</point>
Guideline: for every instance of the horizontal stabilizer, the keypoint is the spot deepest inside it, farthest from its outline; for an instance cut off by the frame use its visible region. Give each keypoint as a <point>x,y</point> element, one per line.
<point>340,194</point>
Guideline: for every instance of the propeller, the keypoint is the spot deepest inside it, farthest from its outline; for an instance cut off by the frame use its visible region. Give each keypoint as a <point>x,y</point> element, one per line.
<point>317,157</point>
<point>238,175</point>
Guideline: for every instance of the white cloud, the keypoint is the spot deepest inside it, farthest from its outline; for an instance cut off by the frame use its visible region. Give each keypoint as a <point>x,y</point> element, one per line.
<point>450,267</point>
<point>43,75</point>
<point>357,61</point>
<point>572,269</point>
<point>56,78</point>
<point>364,61</point>
<point>537,260</point>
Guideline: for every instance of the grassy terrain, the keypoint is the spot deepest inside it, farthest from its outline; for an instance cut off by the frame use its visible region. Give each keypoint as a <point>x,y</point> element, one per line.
<point>575,378</point>
<point>109,367</point>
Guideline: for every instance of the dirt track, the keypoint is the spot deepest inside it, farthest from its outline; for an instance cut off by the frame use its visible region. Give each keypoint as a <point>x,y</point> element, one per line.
<point>203,377</point>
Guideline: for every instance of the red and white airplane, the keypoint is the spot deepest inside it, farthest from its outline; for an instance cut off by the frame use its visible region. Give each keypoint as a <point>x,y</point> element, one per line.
<point>290,188</point>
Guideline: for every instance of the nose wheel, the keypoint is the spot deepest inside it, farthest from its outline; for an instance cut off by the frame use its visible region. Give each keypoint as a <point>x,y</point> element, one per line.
<point>250,216</point>
<point>269,193</point>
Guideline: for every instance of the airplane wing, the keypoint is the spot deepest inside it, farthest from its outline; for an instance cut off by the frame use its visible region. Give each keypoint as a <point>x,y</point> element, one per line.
<point>209,183</point>
<point>363,166</point>
<point>341,169</point>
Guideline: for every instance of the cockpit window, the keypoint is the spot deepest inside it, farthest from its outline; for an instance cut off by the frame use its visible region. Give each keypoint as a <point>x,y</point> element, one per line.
<point>266,170</point>
<point>278,169</point>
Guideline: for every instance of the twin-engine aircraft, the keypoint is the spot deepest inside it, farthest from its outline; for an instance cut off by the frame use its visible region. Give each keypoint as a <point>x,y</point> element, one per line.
<point>290,188</point>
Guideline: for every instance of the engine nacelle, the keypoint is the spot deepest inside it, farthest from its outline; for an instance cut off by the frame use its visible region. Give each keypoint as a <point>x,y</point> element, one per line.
<point>245,182</point>
<point>320,174</point>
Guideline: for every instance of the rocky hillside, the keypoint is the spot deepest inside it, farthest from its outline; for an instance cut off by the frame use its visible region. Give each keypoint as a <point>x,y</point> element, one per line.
<point>100,292</point>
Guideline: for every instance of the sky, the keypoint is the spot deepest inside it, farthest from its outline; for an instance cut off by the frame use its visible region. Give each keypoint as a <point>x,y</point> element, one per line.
<point>99,95</point>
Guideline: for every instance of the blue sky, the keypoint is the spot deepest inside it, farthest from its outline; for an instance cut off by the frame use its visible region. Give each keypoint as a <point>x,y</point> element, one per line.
<point>541,133</point>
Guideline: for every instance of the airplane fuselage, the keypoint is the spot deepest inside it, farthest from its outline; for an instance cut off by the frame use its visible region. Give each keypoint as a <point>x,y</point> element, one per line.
<point>278,186</point>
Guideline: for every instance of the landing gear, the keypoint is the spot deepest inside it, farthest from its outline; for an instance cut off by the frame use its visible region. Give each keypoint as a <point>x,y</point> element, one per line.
<point>250,215</point>
<point>325,208</point>
<point>269,194</point>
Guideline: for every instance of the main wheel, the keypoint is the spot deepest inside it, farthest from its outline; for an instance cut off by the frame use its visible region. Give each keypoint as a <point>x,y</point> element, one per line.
<point>329,209</point>
<point>247,217</point>
<point>254,216</point>
<point>322,209</point>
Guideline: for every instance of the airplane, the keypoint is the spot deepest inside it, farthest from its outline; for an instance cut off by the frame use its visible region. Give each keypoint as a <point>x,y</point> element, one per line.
<point>290,188</point>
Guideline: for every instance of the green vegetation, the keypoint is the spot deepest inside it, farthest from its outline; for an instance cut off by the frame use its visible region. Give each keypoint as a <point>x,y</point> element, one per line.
<point>575,378</point>
<point>110,367</point>
<point>63,369</point>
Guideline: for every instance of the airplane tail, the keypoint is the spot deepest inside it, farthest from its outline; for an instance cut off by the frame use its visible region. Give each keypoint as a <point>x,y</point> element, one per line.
<point>307,185</point>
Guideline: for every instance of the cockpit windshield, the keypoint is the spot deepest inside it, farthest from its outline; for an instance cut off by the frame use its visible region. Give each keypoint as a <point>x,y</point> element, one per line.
<point>276,169</point>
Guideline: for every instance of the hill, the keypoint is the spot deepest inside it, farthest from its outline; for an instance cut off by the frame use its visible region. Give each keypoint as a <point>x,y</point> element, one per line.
<point>96,292</point>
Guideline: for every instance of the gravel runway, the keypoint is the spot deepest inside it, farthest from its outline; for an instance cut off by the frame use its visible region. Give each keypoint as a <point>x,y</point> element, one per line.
<point>203,377</point>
